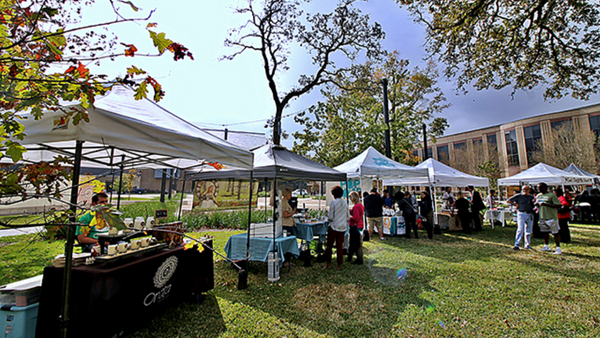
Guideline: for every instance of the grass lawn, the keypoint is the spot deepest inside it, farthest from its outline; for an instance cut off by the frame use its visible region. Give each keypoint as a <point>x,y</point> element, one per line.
<point>457,286</point>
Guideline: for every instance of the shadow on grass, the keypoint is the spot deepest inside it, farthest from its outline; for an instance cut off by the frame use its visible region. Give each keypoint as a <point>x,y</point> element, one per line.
<point>187,320</point>
<point>357,301</point>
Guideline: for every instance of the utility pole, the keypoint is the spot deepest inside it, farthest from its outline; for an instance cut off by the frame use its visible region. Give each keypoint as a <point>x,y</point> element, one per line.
<point>425,153</point>
<point>388,150</point>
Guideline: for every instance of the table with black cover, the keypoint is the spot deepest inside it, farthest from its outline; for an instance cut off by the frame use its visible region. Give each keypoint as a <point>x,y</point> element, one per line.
<point>109,299</point>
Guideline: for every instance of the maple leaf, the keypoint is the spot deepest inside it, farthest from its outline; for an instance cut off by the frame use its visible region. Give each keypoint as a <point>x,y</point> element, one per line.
<point>160,41</point>
<point>131,49</point>
<point>215,165</point>
<point>70,69</point>
<point>179,51</point>
<point>83,72</point>
<point>133,70</point>
<point>152,24</point>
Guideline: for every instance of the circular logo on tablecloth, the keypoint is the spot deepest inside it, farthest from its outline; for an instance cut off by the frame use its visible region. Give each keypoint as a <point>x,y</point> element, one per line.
<point>165,272</point>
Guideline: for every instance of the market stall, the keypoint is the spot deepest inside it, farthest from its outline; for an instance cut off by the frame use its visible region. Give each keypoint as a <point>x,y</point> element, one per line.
<point>372,169</point>
<point>274,163</point>
<point>574,169</point>
<point>547,174</point>
<point>440,175</point>
<point>122,133</point>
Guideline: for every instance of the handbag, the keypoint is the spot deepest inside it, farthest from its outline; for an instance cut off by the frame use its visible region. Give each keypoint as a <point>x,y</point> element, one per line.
<point>366,236</point>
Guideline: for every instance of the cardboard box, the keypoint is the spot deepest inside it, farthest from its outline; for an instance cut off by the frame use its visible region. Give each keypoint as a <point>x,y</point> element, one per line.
<point>22,293</point>
<point>265,230</point>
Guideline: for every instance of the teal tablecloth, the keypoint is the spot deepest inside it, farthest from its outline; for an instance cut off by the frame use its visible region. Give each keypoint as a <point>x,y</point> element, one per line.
<point>306,231</point>
<point>260,247</point>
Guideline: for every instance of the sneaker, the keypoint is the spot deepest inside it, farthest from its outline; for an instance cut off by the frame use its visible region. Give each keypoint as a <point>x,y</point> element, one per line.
<point>528,248</point>
<point>557,252</point>
<point>382,238</point>
<point>516,248</point>
<point>546,248</point>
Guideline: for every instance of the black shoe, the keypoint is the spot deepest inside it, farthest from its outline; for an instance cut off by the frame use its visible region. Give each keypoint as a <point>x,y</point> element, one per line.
<point>516,248</point>
<point>357,262</point>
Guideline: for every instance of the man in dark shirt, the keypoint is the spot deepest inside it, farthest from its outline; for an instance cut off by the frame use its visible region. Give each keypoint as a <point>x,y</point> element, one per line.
<point>463,205</point>
<point>525,205</point>
<point>374,212</point>
<point>476,206</point>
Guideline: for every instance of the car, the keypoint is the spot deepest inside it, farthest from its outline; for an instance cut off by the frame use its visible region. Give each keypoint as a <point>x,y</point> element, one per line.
<point>138,191</point>
<point>299,192</point>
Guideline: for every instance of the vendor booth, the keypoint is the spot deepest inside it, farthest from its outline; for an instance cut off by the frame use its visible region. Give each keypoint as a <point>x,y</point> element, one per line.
<point>440,175</point>
<point>574,169</point>
<point>547,174</point>
<point>274,163</point>
<point>122,133</point>
<point>372,169</point>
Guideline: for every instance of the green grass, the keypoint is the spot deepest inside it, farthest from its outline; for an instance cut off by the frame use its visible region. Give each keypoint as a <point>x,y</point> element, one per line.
<point>475,285</point>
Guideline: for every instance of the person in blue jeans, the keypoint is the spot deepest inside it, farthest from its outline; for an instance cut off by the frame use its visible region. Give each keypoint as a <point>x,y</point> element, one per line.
<point>525,204</point>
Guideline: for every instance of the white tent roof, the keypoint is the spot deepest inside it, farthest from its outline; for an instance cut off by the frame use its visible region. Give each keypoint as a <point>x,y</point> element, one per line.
<point>441,175</point>
<point>547,174</point>
<point>144,132</point>
<point>374,164</point>
<point>574,169</point>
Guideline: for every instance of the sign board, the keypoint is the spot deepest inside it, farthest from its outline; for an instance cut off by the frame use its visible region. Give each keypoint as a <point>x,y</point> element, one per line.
<point>161,214</point>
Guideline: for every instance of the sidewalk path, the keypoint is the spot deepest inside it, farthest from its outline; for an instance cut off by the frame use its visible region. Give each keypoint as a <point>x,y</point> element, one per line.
<point>20,231</point>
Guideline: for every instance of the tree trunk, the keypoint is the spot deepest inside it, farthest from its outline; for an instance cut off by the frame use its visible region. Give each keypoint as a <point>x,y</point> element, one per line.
<point>277,126</point>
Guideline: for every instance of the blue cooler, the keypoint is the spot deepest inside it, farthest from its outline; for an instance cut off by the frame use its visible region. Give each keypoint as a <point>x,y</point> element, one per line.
<point>19,322</point>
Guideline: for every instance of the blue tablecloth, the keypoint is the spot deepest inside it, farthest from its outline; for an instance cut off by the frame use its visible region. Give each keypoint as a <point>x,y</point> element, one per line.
<point>260,247</point>
<point>306,231</point>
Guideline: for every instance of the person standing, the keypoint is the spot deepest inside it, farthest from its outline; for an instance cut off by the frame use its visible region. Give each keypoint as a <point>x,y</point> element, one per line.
<point>491,200</point>
<point>408,213</point>
<point>564,216</point>
<point>525,204</point>
<point>548,205</point>
<point>448,198</point>
<point>388,200</point>
<point>463,205</point>
<point>374,212</point>
<point>356,228</point>
<point>476,206</point>
<point>288,223</point>
<point>426,209</point>
<point>338,224</point>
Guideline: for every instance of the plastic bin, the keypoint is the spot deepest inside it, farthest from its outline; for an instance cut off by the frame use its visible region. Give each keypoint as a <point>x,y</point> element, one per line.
<point>19,322</point>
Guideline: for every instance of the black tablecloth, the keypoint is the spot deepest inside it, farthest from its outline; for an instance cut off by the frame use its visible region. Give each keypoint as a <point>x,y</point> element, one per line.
<point>112,298</point>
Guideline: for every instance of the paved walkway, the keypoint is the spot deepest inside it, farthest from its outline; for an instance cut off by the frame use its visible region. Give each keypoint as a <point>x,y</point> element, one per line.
<point>20,231</point>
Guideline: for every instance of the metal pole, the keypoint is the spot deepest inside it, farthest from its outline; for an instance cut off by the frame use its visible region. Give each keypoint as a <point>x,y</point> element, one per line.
<point>171,174</point>
<point>64,313</point>
<point>122,167</point>
<point>425,153</point>
<point>181,200</point>
<point>249,215</point>
<point>163,182</point>
<point>112,181</point>
<point>388,150</point>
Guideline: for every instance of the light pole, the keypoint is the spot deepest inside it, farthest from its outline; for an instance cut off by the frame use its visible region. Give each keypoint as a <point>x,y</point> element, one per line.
<point>388,150</point>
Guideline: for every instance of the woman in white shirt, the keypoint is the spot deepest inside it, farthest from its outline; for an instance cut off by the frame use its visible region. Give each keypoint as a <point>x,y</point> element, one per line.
<point>338,224</point>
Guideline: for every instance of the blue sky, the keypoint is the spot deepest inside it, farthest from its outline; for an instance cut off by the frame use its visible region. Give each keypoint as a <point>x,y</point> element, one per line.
<point>213,93</point>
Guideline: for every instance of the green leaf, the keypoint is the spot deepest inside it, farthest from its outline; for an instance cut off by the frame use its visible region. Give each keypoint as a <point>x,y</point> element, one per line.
<point>133,70</point>
<point>16,151</point>
<point>141,92</point>
<point>135,8</point>
<point>160,41</point>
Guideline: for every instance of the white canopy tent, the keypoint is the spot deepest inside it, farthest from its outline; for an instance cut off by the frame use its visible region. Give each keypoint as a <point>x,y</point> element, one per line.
<point>371,163</point>
<point>574,169</point>
<point>126,133</point>
<point>441,175</point>
<point>547,174</point>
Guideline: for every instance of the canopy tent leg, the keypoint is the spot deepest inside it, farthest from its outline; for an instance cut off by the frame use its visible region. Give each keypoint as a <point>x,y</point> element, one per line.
<point>64,313</point>
<point>112,180</point>
<point>181,200</point>
<point>122,168</point>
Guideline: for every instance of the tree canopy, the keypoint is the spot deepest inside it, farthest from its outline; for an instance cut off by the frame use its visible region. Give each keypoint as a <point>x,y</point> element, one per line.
<point>351,119</point>
<point>45,50</point>
<point>274,28</point>
<point>520,44</point>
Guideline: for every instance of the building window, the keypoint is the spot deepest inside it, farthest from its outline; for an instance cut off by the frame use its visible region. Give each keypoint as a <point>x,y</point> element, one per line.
<point>415,153</point>
<point>443,154</point>
<point>533,135</point>
<point>429,153</point>
<point>460,145</point>
<point>595,124</point>
<point>477,142</point>
<point>557,124</point>
<point>492,141</point>
<point>512,151</point>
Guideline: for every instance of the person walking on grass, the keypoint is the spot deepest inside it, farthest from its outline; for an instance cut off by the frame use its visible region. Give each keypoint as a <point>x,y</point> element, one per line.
<point>564,216</point>
<point>408,213</point>
<point>476,206</point>
<point>525,204</point>
<point>374,212</point>
<point>356,228</point>
<point>338,224</point>
<point>548,204</point>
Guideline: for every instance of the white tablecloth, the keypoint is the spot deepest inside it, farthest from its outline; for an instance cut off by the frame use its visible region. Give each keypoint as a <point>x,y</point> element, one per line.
<point>497,215</point>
